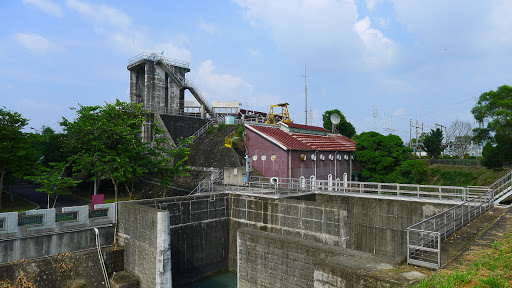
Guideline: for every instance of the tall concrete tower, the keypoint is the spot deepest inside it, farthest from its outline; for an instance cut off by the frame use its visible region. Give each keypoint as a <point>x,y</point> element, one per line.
<point>159,84</point>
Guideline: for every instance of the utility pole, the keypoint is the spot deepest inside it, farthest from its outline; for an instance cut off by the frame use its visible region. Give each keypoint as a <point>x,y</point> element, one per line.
<point>375,115</point>
<point>306,94</point>
<point>443,129</point>
<point>416,127</point>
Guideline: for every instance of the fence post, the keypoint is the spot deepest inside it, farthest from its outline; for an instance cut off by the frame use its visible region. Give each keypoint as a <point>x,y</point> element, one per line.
<point>438,250</point>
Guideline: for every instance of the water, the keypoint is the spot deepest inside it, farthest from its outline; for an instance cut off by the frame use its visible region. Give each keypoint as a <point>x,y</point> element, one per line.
<point>224,280</point>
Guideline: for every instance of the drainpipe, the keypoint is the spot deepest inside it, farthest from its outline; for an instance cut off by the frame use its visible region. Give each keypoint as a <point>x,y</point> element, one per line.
<point>315,164</point>
<point>350,175</point>
<point>290,164</point>
<point>335,160</point>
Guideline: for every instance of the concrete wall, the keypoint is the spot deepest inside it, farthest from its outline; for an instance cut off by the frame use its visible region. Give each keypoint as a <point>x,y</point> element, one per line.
<point>181,126</point>
<point>19,248</point>
<point>199,227</point>
<point>270,260</point>
<point>50,237</point>
<point>379,226</point>
<point>321,222</point>
<point>233,176</point>
<point>144,233</point>
<point>63,270</point>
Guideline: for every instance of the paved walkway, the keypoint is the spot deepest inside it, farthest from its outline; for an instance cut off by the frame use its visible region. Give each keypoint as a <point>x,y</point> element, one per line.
<point>29,193</point>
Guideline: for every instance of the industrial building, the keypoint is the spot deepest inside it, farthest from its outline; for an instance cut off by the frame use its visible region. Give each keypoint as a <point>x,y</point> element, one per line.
<point>290,150</point>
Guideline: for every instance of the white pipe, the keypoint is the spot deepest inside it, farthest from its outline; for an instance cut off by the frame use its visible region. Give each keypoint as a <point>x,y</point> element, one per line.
<point>100,255</point>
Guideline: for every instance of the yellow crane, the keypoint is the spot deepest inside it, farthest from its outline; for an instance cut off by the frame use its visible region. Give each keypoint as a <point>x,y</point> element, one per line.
<point>273,118</point>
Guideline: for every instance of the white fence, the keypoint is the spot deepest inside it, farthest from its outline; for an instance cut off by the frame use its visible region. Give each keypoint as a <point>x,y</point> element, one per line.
<point>14,224</point>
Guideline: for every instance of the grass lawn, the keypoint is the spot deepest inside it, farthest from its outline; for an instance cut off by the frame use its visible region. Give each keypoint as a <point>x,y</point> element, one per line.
<point>19,204</point>
<point>482,268</point>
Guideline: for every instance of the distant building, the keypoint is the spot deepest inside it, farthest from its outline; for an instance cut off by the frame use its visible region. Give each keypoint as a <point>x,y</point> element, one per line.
<point>289,150</point>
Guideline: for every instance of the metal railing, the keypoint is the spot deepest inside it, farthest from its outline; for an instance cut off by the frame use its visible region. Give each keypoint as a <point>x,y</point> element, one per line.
<point>201,131</point>
<point>286,186</point>
<point>456,162</point>
<point>156,57</point>
<point>424,238</point>
<point>502,186</point>
<point>66,216</point>
<point>206,185</point>
<point>24,220</point>
<point>98,213</point>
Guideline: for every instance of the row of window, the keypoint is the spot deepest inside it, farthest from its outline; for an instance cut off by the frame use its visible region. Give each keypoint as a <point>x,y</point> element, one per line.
<point>304,157</point>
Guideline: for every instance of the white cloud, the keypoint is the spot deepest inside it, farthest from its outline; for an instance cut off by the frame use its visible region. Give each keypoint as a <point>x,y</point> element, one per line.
<point>370,4</point>
<point>36,44</point>
<point>207,27</point>
<point>46,6</point>
<point>101,14</point>
<point>379,49</point>
<point>501,22</point>
<point>254,52</point>
<point>222,86</point>
<point>313,27</point>
<point>171,50</point>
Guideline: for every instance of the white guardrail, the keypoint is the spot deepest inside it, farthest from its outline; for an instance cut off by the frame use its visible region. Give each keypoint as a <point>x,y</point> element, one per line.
<point>14,224</point>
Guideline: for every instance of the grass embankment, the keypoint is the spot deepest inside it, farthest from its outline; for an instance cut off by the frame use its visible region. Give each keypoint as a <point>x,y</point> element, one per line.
<point>19,204</point>
<point>480,268</point>
<point>447,175</point>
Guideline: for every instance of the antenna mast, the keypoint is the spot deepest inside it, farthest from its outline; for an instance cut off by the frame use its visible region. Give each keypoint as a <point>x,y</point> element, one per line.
<point>306,94</point>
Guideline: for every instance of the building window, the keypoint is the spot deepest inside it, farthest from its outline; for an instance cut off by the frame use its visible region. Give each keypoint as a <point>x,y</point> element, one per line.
<point>302,181</point>
<point>329,184</point>
<point>312,180</point>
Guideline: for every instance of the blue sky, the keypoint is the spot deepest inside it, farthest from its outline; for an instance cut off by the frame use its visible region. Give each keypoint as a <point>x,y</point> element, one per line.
<point>401,57</point>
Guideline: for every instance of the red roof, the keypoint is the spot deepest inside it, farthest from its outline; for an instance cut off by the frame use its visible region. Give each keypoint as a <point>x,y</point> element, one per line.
<point>299,141</point>
<point>305,127</point>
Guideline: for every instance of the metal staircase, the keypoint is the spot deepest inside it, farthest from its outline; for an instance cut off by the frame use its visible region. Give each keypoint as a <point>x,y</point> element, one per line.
<point>502,188</point>
<point>169,65</point>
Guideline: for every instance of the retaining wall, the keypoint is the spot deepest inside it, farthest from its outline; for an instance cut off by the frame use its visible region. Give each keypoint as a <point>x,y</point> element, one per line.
<point>38,233</point>
<point>64,270</point>
<point>379,226</point>
<point>144,234</point>
<point>271,260</point>
<point>199,230</point>
<point>318,221</point>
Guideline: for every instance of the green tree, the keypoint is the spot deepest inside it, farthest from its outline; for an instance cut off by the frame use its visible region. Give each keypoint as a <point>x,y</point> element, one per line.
<point>53,182</point>
<point>104,142</point>
<point>379,155</point>
<point>410,172</point>
<point>345,128</point>
<point>50,146</point>
<point>495,109</point>
<point>433,143</point>
<point>16,156</point>
<point>169,159</point>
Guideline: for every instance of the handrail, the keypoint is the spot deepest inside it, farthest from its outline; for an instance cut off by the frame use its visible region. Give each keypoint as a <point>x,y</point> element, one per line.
<point>155,57</point>
<point>201,131</point>
<point>206,185</point>
<point>424,238</point>
<point>372,188</point>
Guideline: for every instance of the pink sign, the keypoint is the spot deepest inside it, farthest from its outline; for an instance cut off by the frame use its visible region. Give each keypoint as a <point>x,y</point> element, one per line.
<point>97,199</point>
